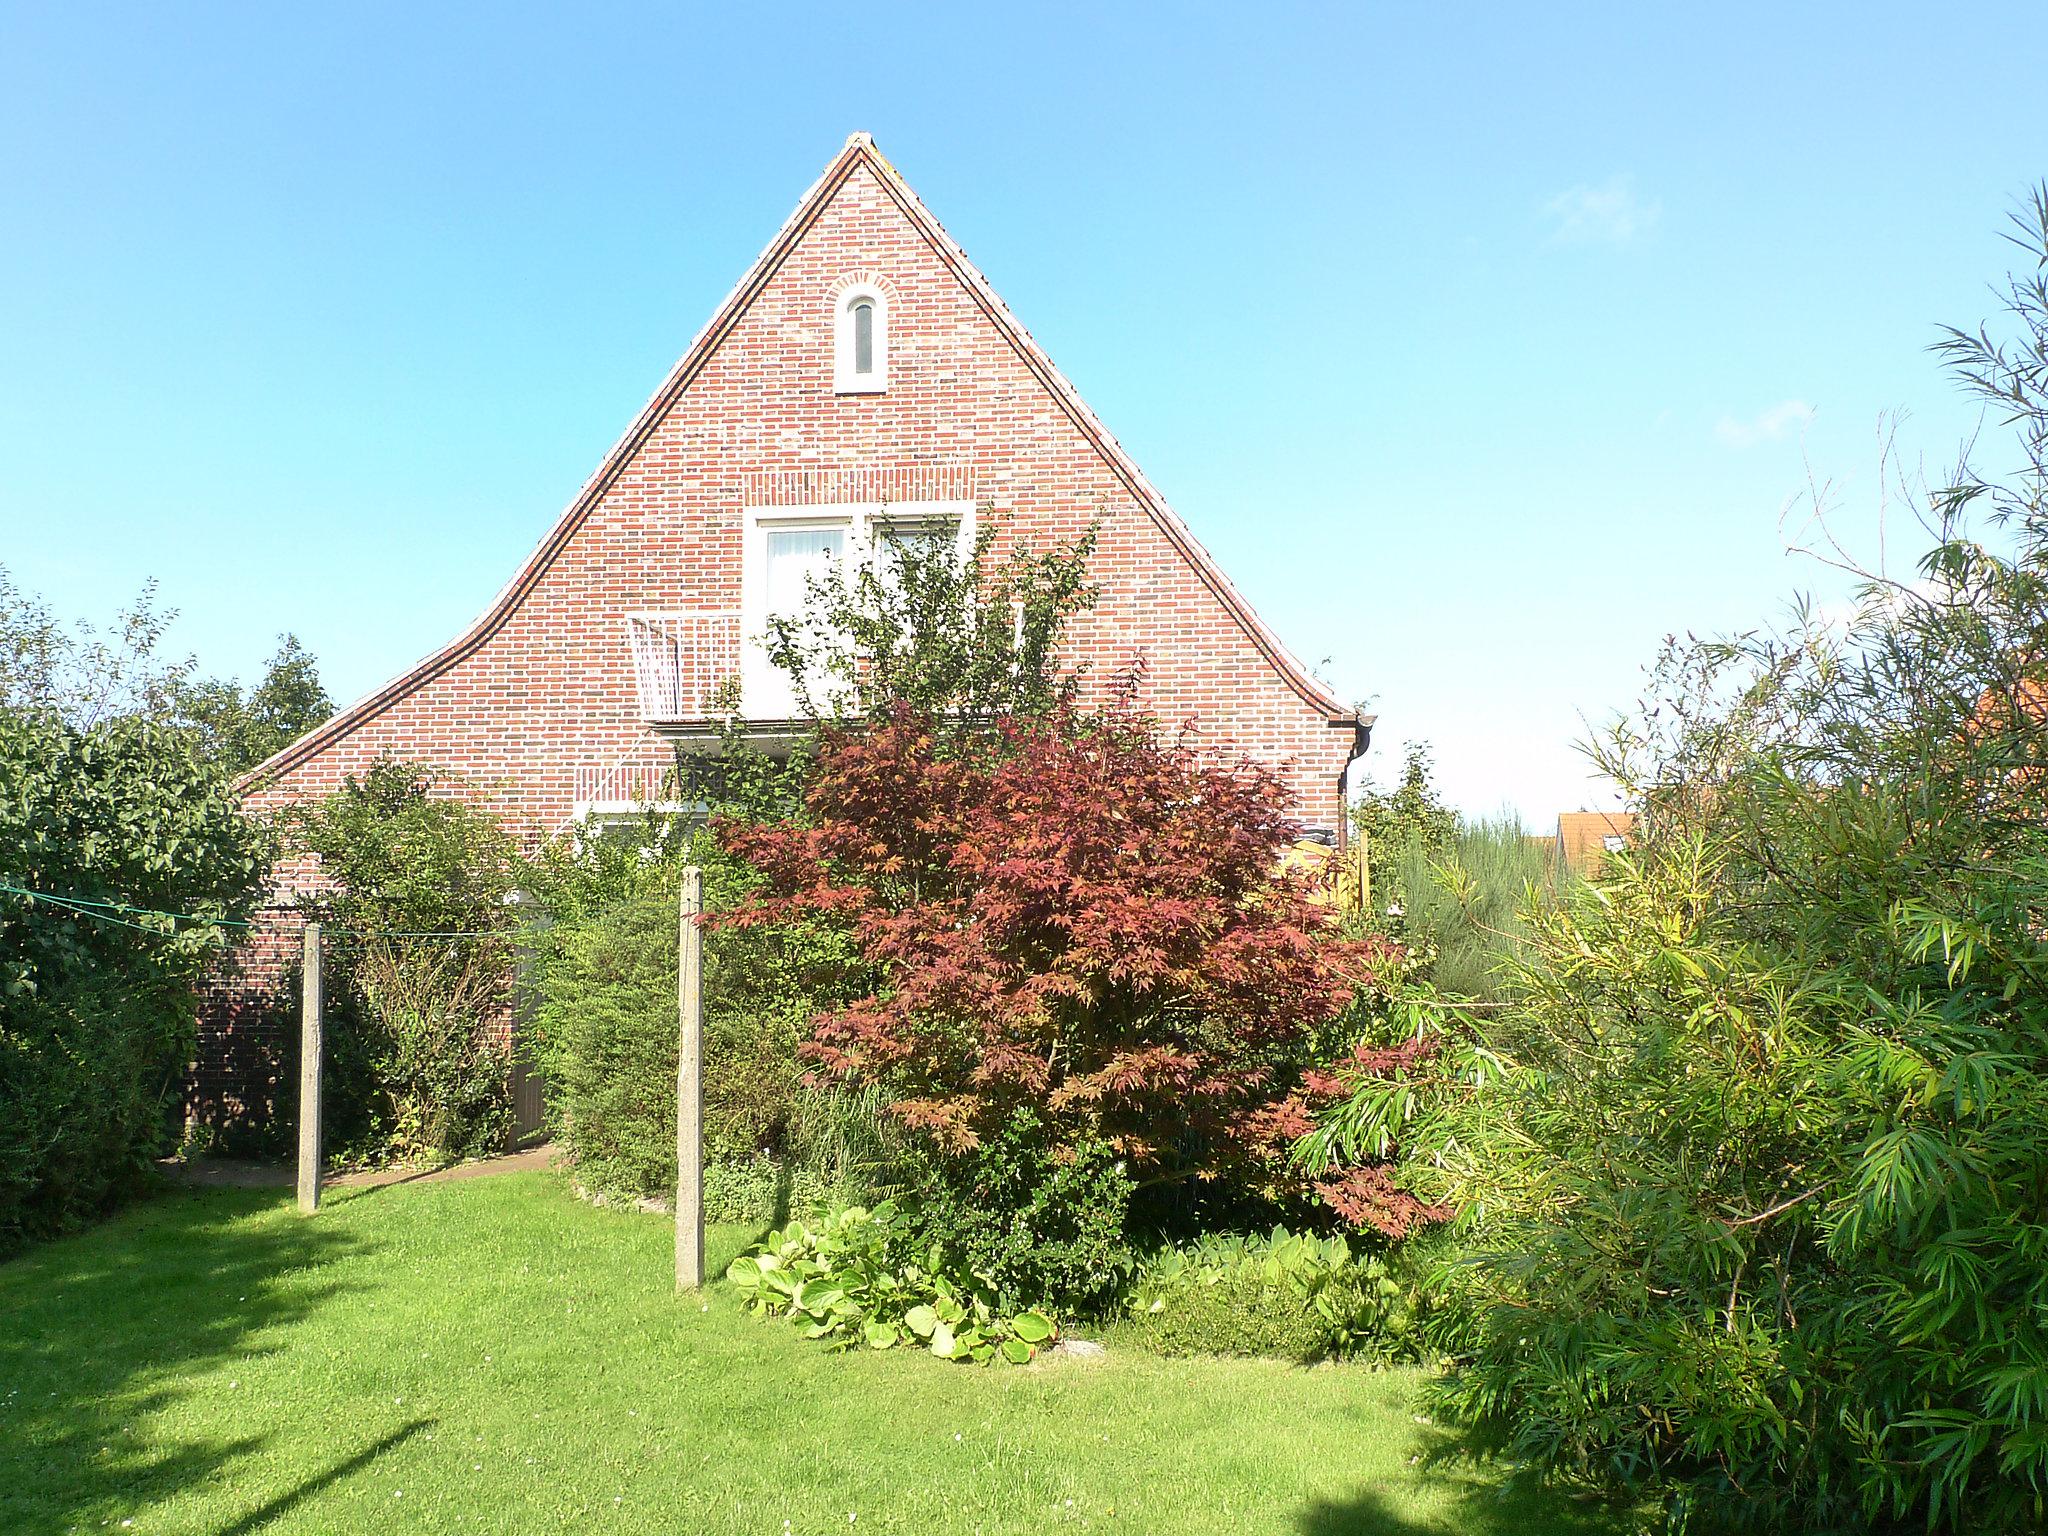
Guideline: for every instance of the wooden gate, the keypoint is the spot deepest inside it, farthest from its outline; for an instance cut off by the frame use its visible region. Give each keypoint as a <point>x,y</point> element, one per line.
<point>529,1096</point>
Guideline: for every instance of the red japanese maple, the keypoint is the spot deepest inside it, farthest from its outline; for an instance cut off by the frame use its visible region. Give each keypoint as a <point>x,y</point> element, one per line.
<point>1075,918</point>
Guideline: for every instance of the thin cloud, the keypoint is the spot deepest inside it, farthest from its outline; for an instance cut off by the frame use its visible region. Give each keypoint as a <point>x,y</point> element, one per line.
<point>1767,426</point>
<point>1610,213</point>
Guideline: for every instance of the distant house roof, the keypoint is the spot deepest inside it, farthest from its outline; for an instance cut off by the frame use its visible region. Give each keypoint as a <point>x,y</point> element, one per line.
<point>1584,838</point>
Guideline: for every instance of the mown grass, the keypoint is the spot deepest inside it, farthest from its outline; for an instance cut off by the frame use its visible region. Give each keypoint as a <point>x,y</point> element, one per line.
<point>493,1355</point>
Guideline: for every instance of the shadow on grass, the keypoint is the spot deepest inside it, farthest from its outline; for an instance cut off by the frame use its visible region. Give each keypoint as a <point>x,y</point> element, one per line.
<point>367,1191</point>
<point>270,1509</point>
<point>100,1331</point>
<point>1487,1501</point>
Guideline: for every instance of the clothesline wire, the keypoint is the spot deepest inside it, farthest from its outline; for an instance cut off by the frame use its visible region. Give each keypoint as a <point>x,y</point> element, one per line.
<point>109,912</point>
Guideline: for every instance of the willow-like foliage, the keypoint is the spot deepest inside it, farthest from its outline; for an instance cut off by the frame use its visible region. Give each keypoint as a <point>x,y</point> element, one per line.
<point>1752,1173</point>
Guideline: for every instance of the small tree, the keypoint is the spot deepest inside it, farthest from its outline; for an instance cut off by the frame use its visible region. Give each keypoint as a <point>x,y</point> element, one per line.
<point>1084,942</point>
<point>1409,818</point>
<point>240,730</point>
<point>400,850</point>
<point>88,676</point>
<point>82,674</point>
<point>959,637</point>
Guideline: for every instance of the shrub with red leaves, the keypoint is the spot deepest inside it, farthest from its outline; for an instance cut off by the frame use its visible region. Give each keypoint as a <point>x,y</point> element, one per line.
<point>1072,918</point>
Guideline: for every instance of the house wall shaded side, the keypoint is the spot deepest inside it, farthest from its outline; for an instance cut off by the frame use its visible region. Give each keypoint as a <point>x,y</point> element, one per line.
<point>551,690</point>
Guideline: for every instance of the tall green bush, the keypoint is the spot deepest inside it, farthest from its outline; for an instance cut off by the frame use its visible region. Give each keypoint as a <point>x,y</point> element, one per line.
<point>1754,1174</point>
<point>1457,902</point>
<point>417,900</point>
<point>444,1071</point>
<point>97,1003</point>
<point>604,1032</point>
<point>1448,888</point>
<point>239,728</point>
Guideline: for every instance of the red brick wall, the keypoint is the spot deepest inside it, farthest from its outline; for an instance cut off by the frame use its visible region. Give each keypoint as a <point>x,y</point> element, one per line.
<point>965,416</point>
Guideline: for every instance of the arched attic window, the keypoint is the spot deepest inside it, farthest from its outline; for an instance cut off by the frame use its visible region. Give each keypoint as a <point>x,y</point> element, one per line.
<point>861,341</point>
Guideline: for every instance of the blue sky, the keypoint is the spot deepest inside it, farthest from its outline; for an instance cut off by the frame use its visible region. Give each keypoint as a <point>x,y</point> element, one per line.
<point>1483,348</point>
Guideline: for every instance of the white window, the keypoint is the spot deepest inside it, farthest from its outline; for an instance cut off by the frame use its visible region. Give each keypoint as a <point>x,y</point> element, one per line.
<point>860,347</point>
<point>786,552</point>
<point>649,827</point>
<point>789,548</point>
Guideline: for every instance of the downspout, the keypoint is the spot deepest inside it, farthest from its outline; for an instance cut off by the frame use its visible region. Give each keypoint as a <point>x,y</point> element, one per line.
<point>1361,741</point>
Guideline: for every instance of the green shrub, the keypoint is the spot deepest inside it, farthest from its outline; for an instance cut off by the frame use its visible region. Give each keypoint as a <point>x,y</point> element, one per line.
<point>605,1039</point>
<point>445,1074</point>
<point>1286,1296</point>
<point>1449,889</point>
<point>604,1031</point>
<point>1237,1313</point>
<point>413,1071</point>
<point>404,851</point>
<point>89,1079</point>
<point>97,1003</point>
<point>767,1189</point>
<point>1461,903</point>
<point>855,1280</point>
<point>752,1191</point>
<point>1042,1228</point>
<point>1750,1175</point>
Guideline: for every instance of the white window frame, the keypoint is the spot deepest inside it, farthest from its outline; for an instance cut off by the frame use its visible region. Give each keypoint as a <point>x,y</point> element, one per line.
<point>861,520</point>
<point>845,381</point>
<point>589,818</point>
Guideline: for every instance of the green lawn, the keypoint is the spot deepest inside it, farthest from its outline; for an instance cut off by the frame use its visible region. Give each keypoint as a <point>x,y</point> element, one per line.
<point>494,1355</point>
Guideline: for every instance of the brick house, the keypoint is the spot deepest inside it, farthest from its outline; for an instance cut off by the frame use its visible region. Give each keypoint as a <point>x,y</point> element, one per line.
<point>861,379</point>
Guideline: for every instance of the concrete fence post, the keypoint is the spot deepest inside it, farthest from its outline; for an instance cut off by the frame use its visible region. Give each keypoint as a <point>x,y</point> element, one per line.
<point>310,1051</point>
<point>690,1086</point>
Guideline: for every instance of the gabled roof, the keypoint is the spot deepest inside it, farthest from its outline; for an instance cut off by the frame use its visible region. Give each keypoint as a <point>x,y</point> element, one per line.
<point>858,151</point>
